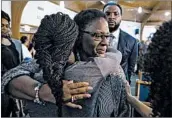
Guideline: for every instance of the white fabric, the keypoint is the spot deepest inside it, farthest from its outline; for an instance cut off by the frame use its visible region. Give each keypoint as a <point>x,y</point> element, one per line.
<point>115,40</point>
<point>26,52</point>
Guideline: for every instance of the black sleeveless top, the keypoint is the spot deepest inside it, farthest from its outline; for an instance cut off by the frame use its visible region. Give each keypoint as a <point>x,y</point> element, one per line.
<point>9,57</point>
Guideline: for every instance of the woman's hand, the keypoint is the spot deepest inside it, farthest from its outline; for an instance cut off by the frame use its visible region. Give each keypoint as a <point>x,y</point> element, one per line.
<point>75,91</point>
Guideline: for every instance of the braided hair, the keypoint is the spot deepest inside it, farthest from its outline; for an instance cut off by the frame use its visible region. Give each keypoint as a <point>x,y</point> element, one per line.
<point>158,63</point>
<point>54,41</point>
<point>83,19</point>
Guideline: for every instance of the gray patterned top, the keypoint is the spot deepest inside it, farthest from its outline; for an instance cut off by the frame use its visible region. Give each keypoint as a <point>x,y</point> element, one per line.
<point>105,76</point>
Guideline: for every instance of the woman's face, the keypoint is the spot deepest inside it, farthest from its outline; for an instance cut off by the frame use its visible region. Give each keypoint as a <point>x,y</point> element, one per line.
<point>5,27</point>
<point>95,41</point>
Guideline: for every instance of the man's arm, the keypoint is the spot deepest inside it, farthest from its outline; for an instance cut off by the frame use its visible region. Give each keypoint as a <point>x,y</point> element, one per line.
<point>132,59</point>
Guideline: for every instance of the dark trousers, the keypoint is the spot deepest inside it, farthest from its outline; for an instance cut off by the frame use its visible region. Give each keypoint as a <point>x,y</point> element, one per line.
<point>8,106</point>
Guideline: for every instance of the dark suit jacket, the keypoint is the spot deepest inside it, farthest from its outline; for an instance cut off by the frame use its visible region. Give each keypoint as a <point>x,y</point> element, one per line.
<point>127,45</point>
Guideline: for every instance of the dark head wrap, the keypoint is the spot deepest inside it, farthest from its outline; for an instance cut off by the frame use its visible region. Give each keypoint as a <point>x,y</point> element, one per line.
<point>54,41</point>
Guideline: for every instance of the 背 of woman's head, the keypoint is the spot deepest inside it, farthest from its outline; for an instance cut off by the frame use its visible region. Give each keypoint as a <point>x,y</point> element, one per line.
<point>158,63</point>
<point>94,34</point>
<point>25,40</point>
<point>54,41</point>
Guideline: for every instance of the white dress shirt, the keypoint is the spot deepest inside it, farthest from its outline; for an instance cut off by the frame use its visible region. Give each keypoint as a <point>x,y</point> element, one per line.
<point>26,53</point>
<point>115,40</point>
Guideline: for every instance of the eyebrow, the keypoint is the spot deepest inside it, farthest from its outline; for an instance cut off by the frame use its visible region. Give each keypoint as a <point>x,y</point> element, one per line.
<point>102,32</point>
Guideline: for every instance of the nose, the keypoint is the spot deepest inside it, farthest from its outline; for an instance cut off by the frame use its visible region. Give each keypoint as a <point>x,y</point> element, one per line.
<point>111,16</point>
<point>104,41</point>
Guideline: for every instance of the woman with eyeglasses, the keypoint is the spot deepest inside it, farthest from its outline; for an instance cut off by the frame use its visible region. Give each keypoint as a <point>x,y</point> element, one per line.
<point>96,76</point>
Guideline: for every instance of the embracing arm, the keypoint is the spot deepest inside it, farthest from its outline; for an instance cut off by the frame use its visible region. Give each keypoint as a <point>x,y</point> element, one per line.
<point>140,107</point>
<point>18,83</point>
<point>23,69</point>
<point>23,87</point>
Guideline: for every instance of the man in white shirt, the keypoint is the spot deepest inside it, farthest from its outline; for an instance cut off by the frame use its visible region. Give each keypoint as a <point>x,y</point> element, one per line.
<point>122,41</point>
<point>25,42</point>
<point>115,40</point>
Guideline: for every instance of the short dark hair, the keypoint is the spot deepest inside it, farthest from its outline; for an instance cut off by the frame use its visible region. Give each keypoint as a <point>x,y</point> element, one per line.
<point>111,4</point>
<point>82,19</point>
<point>85,17</point>
<point>5,16</point>
<point>23,39</point>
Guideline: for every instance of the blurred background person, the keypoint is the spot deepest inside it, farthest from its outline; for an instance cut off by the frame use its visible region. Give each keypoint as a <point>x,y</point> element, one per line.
<point>158,63</point>
<point>11,52</point>
<point>122,41</point>
<point>32,49</point>
<point>25,44</point>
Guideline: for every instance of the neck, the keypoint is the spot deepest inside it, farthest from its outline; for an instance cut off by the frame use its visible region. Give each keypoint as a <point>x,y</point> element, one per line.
<point>112,30</point>
<point>5,41</point>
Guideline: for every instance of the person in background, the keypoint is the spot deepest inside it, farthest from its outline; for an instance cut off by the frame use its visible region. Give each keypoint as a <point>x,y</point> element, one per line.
<point>25,44</point>
<point>122,41</point>
<point>11,56</point>
<point>31,49</point>
<point>158,65</point>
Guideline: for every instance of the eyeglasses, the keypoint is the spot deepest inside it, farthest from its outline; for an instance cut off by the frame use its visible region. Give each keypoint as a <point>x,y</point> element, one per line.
<point>99,36</point>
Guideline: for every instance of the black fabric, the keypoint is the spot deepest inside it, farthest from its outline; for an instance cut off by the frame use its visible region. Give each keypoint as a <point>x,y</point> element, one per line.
<point>128,47</point>
<point>18,46</point>
<point>10,59</point>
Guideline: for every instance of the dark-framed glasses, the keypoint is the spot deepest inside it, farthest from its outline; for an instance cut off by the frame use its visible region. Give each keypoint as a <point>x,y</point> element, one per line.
<point>99,36</point>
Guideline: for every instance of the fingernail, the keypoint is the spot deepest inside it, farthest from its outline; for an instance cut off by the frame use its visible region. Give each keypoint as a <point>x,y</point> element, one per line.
<point>88,95</point>
<point>90,88</point>
<point>80,107</point>
<point>86,83</point>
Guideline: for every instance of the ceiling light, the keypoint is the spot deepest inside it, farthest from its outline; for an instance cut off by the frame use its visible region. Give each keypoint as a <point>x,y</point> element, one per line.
<point>140,10</point>
<point>27,28</point>
<point>167,13</point>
